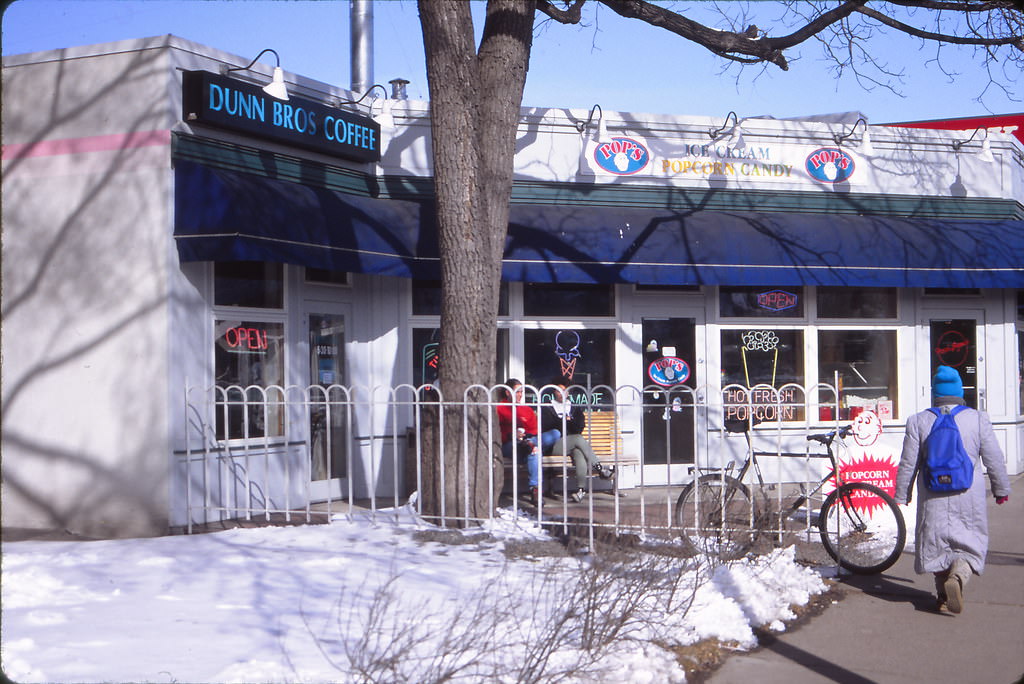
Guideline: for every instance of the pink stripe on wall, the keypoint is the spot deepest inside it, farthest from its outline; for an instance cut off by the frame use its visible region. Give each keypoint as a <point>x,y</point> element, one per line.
<point>95,143</point>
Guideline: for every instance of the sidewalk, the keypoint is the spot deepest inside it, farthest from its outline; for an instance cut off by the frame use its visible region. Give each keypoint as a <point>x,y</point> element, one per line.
<point>885,630</point>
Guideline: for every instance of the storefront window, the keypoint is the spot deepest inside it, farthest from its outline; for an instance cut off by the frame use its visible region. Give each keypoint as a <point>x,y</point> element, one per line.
<point>426,298</point>
<point>322,276</point>
<point>761,302</point>
<point>863,362</point>
<point>254,284</point>
<point>249,358</point>
<point>767,358</point>
<point>857,302</point>
<point>583,357</point>
<point>549,299</point>
<point>426,355</point>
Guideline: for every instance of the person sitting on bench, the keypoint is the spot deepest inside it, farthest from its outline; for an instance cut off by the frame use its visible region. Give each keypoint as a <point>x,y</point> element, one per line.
<point>519,438</point>
<point>561,414</point>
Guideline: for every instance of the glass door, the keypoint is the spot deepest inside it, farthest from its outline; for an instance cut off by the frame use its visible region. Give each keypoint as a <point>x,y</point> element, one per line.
<point>329,413</point>
<point>953,342</point>
<point>668,377</point>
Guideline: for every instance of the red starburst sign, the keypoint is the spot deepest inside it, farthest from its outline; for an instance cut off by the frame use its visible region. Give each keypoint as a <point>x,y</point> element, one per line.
<point>880,472</point>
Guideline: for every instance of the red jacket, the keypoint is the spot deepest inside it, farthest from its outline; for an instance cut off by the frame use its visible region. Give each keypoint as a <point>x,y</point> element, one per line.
<point>525,418</point>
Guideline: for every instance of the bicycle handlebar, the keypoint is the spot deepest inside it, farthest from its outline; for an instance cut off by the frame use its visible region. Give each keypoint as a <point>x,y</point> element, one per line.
<point>828,437</point>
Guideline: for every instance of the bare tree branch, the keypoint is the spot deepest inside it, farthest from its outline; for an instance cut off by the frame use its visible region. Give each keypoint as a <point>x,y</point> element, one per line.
<point>942,37</point>
<point>570,15</point>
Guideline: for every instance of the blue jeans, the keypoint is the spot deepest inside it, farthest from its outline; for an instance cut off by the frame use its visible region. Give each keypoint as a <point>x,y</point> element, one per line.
<point>548,439</point>
<point>532,457</point>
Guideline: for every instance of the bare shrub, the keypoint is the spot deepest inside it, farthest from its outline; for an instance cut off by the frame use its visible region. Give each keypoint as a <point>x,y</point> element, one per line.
<point>558,626</point>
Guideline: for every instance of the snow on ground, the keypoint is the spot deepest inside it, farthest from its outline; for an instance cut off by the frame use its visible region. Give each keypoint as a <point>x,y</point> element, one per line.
<point>323,602</point>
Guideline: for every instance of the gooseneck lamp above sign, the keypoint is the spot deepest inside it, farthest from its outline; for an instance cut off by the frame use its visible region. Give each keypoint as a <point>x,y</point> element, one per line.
<point>583,126</point>
<point>602,128</point>
<point>385,118</point>
<point>985,154</point>
<point>735,136</point>
<point>342,103</point>
<point>865,141</point>
<point>276,88</point>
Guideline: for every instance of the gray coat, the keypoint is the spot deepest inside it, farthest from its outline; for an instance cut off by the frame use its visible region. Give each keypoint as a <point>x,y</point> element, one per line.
<point>952,524</point>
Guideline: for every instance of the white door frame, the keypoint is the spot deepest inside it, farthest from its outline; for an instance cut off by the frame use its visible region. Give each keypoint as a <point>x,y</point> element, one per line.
<point>683,305</point>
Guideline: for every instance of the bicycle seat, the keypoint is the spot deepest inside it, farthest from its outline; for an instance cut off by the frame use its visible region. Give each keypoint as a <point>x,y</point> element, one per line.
<point>740,424</point>
<point>736,425</point>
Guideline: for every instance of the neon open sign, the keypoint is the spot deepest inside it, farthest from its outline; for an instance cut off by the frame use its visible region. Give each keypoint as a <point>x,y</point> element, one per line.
<point>776,300</point>
<point>245,340</point>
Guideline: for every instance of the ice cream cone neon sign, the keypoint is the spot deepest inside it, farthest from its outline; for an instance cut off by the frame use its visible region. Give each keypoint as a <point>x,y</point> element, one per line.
<point>567,349</point>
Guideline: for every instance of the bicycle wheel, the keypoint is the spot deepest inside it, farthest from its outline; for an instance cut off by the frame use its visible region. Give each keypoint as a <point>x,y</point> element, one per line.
<point>717,517</point>
<point>862,528</point>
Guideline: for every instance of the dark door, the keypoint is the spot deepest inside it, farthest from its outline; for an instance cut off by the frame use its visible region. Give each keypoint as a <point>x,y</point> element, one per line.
<point>669,355</point>
<point>954,343</point>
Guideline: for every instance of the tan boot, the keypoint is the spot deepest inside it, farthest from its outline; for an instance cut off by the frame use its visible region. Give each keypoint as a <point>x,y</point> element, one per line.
<point>941,603</point>
<point>959,572</point>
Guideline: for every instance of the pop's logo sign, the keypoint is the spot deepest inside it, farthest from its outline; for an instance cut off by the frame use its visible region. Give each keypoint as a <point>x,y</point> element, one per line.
<point>621,156</point>
<point>830,165</point>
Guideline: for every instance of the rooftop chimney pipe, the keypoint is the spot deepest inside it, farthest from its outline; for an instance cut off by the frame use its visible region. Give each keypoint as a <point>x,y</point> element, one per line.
<point>398,89</point>
<point>361,29</point>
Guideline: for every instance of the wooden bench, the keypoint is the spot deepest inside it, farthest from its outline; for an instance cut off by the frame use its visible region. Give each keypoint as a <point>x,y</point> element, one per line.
<point>603,433</point>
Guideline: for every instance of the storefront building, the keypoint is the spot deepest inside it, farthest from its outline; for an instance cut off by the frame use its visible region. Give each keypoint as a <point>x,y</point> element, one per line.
<point>168,227</point>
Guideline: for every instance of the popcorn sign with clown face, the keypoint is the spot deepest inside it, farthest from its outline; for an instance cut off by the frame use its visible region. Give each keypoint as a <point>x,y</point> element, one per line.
<point>868,460</point>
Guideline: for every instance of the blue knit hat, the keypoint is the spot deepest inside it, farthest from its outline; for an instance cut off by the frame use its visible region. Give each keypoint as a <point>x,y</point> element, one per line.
<point>947,383</point>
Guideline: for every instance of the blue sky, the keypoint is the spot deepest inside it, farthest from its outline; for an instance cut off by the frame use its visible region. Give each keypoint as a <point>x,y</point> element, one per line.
<point>617,63</point>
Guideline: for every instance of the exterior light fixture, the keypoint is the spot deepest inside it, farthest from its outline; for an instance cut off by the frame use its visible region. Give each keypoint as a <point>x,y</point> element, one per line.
<point>340,103</point>
<point>865,141</point>
<point>385,118</point>
<point>582,127</point>
<point>735,137</point>
<point>602,128</point>
<point>276,88</point>
<point>985,154</point>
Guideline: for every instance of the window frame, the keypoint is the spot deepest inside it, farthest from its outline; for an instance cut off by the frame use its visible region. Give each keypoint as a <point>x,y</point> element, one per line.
<point>220,312</point>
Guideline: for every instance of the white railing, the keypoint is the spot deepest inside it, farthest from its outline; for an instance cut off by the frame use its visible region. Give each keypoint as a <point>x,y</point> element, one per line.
<point>300,455</point>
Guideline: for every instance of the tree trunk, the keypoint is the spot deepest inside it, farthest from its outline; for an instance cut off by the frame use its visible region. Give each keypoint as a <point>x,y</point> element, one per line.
<point>474,101</point>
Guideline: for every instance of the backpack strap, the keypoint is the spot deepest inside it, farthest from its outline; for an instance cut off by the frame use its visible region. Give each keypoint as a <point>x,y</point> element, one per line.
<point>957,408</point>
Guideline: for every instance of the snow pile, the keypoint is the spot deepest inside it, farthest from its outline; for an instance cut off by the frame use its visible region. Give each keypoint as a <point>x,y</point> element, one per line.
<point>321,603</point>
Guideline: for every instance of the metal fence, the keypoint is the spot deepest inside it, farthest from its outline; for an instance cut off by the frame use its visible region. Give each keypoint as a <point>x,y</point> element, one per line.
<point>311,454</point>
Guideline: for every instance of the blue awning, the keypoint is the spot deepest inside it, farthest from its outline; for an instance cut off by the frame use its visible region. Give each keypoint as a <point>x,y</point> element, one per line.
<point>229,215</point>
<point>222,215</point>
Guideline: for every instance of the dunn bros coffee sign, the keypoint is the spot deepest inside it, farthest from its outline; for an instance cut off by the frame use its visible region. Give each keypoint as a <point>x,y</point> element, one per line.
<point>235,105</point>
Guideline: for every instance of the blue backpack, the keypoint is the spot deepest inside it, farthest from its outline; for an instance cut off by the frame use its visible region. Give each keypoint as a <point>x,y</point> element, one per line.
<point>947,467</point>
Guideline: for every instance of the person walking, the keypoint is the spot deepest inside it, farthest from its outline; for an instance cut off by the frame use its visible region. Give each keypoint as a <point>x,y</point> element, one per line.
<point>951,537</point>
<point>559,415</point>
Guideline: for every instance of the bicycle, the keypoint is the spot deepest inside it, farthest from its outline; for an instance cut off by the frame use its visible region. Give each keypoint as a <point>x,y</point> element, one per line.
<point>718,515</point>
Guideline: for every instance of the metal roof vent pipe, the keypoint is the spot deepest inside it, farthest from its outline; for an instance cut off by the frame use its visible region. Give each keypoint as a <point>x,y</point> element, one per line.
<point>361,32</point>
<point>398,89</point>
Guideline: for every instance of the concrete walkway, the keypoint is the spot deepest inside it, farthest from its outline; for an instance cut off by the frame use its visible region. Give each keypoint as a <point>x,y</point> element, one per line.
<point>885,629</point>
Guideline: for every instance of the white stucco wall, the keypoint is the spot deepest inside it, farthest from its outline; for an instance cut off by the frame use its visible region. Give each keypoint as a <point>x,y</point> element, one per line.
<point>86,188</point>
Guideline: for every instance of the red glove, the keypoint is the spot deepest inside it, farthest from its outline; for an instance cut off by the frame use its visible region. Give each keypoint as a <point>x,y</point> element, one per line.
<point>1002,499</point>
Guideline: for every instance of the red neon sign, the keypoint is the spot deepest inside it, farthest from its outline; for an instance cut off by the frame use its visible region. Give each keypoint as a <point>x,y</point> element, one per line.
<point>776,300</point>
<point>245,339</point>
